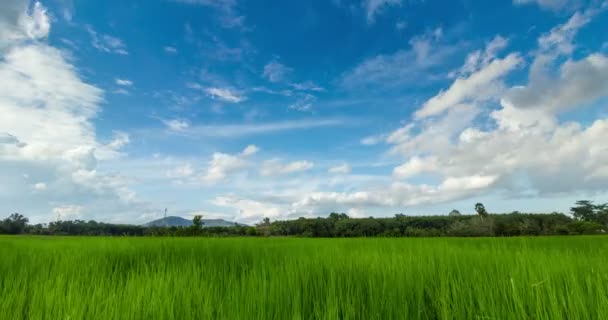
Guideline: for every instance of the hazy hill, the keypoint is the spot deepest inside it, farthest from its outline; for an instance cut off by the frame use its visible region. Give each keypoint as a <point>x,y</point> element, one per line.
<point>174,221</point>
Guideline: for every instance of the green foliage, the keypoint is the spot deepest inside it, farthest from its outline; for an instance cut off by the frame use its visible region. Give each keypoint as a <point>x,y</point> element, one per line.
<point>14,224</point>
<point>341,225</point>
<point>587,211</point>
<point>454,213</point>
<point>585,227</point>
<point>293,278</point>
<point>197,222</point>
<point>481,210</point>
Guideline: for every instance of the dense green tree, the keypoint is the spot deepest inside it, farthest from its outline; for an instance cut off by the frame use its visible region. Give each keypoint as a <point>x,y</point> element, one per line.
<point>481,210</point>
<point>197,222</point>
<point>454,213</point>
<point>15,224</point>
<point>585,210</point>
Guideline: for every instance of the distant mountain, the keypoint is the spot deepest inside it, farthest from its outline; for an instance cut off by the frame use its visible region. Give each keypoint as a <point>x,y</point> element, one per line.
<point>174,221</point>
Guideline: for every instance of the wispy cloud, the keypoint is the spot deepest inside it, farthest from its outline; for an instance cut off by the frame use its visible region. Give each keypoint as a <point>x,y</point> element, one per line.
<point>275,167</point>
<point>106,43</point>
<point>123,82</point>
<point>275,71</point>
<point>225,94</point>
<point>240,130</point>
<point>228,17</point>
<point>418,64</point>
<point>170,49</point>
<point>375,7</point>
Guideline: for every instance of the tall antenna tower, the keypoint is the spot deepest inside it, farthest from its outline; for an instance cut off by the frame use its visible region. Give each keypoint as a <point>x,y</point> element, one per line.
<point>165,218</point>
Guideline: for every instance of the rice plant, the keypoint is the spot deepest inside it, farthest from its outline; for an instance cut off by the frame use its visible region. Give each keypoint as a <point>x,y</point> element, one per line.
<point>296,278</point>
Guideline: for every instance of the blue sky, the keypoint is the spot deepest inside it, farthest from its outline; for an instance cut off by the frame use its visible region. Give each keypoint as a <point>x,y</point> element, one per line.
<point>248,109</point>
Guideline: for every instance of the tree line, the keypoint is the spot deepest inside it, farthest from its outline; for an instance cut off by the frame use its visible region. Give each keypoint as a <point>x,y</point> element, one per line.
<point>585,218</point>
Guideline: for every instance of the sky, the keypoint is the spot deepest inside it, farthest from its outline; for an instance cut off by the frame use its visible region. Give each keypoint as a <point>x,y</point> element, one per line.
<point>242,109</point>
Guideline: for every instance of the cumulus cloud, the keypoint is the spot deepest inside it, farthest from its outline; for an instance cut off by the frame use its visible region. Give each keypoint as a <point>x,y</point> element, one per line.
<point>525,143</point>
<point>483,142</point>
<point>250,150</point>
<point>47,130</point>
<point>250,211</point>
<point>481,85</point>
<point>577,83</point>
<point>223,165</point>
<point>19,21</point>
<point>415,166</point>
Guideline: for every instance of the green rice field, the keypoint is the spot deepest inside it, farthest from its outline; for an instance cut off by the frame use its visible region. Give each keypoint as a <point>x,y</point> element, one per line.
<point>297,278</point>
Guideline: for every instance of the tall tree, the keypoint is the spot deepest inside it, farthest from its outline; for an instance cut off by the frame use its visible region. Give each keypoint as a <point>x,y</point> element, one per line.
<point>197,222</point>
<point>481,210</point>
<point>585,210</point>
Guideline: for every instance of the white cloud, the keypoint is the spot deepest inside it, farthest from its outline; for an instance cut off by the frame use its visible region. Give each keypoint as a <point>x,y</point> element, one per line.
<point>560,39</point>
<point>228,17</point>
<point>47,129</point>
<point>481,58</point>
<point>68,212</point>
<point>307,86</point>
<point>577,83</point>
<point>221,166</point>
<point>176,124</point>
<point>340,169</point>
<point>120,140</point>
<point>274,71</point>
<point>123,82</point>
<point>225,94</point>
<point>239,130</point>
<point>169,49</point>
<point>250,211</point>
<point>373,139</point>
<point>106,43</point>
<point>524,149</point>
<point>275,167</point>
<point>304,103</point>
<point>415,166</point>
<point>375,7</point>
<point>18,22</point>
<point>426,52</point>
<point>481,85</point>
<point>40,186</point>
<point>183,171</point>
<point>545,4</point>
<point>250,150</point>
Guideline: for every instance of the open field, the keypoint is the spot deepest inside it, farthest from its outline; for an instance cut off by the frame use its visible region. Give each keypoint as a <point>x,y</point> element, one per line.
<point>291,278</point>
